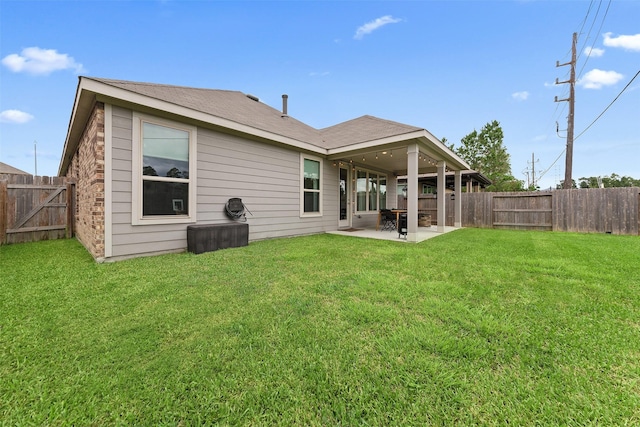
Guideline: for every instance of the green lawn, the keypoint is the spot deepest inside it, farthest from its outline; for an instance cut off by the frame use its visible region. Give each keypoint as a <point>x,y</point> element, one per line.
<point>475,327</point>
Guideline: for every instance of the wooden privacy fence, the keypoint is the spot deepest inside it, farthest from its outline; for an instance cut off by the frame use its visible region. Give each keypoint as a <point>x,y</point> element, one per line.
<point>35,208</point>
<point>427,204</point>
<point>591,210</point>
<point>531,211</point>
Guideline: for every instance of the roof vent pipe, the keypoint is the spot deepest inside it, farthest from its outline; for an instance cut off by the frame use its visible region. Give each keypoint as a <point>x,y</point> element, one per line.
<point>284,104</point>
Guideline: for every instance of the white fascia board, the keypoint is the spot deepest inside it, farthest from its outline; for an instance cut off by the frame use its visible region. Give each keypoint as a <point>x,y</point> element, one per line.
<point>367,145</point>
<point>76,101</point>
<point>429,143</point>
<point>445,153</point>
<point>112,93</point>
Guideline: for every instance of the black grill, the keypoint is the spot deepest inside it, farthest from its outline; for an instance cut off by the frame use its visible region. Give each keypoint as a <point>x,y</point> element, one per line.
<point>402,225</point>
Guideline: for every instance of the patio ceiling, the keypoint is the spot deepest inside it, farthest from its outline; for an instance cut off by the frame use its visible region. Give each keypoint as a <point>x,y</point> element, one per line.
<point>393,156</point>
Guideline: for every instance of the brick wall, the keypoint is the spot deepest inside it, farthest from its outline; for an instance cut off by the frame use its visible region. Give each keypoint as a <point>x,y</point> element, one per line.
<point>87,169</point>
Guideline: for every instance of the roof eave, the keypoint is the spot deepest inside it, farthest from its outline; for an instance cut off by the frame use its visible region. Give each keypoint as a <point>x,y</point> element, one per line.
<point>446,154</point>
<point>96,90</point>
<point>68,142</point>
<point>429,144</point>
<point>91,90</point>
<point>374,143</point>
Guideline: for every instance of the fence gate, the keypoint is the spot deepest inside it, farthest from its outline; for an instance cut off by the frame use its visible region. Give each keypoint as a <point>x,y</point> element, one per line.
<point>35,208</point>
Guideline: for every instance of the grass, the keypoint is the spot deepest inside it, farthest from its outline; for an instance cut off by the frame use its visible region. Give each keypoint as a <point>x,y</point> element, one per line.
<point>476,327</point>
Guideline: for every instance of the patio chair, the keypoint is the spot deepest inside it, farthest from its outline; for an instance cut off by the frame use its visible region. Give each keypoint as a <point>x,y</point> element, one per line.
<point>388,219</point>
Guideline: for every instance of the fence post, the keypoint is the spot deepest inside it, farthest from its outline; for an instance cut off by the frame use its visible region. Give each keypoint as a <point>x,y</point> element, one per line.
<point>70,209</point>
<point>4,214</point>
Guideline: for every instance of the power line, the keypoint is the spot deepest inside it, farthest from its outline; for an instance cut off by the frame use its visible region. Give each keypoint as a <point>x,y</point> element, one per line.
<point>596,119</point>
<point>549,168</point>
<point>584,21</point>
<point>606,12</point>
<point>570,120</point>
<point>590,28</point>
<point>570,97</point>
<point>558,112</point>
<point>605,110</point>
<point>556,115</point>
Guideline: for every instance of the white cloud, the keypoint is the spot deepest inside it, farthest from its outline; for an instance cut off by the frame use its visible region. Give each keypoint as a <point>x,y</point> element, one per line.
<point>15,116</point>
<point>593,52</point>
<point>370,27</point>
<point>596,79</point>
<point>625,42</point>
<point>520,96</point>
<point>34,60</point>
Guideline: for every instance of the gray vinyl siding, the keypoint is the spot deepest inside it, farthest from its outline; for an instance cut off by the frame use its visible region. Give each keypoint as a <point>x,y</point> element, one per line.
<point>129,240</point>
<point>121,167</point>
<point>365,220</point>
<point>266,178</point>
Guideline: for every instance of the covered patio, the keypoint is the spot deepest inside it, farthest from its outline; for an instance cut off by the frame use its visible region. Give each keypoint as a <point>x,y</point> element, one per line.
<point>398,151</point>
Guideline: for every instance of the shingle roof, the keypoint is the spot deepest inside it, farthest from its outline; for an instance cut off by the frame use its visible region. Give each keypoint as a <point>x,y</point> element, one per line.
<point>230,105</point>
<point>238,107</point>
<point>238,112</point>
<point>363,129</point>
<point>5,168</point>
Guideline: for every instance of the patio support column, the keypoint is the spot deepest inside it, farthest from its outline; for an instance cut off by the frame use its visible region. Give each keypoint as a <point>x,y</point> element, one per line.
<point>412,192</point>
<point>457,206</point>
<point>442,180</point>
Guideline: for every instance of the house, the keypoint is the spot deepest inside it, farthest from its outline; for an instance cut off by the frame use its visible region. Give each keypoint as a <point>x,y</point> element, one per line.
<point>8,169</point>
<point>151,159</point>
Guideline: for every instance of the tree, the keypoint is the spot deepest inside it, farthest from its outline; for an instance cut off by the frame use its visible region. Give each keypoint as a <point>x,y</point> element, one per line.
<point>484,152</point>
<point>613,180</point>
<point>561,185</point>
<point>149,171</point>
<point>174,173</point>
<point>591,182</point>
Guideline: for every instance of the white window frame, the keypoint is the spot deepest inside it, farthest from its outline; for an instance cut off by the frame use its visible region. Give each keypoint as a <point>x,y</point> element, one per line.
<point>367,180</point>
<point>137,217</point>
<point>304,214</point>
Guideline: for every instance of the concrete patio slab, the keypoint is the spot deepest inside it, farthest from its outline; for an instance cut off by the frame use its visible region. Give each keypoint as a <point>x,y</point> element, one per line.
<point>424,233</point>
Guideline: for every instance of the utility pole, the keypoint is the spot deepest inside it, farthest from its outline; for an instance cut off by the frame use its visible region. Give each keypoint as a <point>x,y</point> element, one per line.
<point>531,183</point>
<point>533,170</point>
<point>35,156</point>
<point>571,100</point>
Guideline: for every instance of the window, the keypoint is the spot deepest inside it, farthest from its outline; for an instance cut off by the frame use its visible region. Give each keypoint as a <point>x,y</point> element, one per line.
<point>163,172</point>
<point>371,191</point>
<point>361,188</point>
<point>311,192</point>
<point>427,189</point>
<point>383,192</point>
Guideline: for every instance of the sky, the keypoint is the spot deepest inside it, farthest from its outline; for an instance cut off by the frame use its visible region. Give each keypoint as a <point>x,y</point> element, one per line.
<point>450,67</point>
